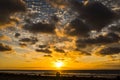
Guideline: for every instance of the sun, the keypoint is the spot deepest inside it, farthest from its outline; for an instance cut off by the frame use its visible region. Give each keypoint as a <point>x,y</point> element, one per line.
<point>59,64</point>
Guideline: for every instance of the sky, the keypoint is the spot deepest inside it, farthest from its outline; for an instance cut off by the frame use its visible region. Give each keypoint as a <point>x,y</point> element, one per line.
<point>80,34</point>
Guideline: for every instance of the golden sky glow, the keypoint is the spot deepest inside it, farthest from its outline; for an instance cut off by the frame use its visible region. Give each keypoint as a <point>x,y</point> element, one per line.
<point>53,35</point>
<point>35,61</point>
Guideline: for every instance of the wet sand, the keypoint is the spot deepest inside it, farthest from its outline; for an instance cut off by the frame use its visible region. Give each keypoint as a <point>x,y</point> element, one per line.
<point>10,76</point>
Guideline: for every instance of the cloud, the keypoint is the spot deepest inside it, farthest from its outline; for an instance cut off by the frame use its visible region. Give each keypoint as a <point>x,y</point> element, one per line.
<point>102,39</point>
<point>98,15</point>
<point>62,4</point>
<point>59,50</point>
<point>43,46</point>
<point>115,29</point>
<point>77,28</point>
<point>43,50</point>
<point>94,44</point>
<point>75,5</point>
<point>22,45</point>
<point>17,35</point>
<point>40,27</point>
<point>58,3</point>
<point>25,40</point>
<point>47,55</point>
<point>9,7</point>
<point>55,19</point>
<point>81,52</point>
<point>31,40</point>
<point>4,47</point>
<point>93,13</point>
<point>110,51</point>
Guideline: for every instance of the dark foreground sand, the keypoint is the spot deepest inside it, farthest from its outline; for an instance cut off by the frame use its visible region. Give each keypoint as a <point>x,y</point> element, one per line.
<point>10,76</point>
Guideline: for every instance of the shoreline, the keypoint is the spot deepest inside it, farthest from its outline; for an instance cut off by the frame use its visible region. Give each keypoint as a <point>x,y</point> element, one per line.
<point>12,76</point>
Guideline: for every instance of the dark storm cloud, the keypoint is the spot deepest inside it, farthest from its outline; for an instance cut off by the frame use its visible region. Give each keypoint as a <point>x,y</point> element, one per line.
<point>9,7</point>
<point>95,14</point>
<point>110,51</point>
<point>43,50</point>
<point>41,27</point>
<point>77,28</point>
<point>32,40</point>
<point>4,48</point>
<point>102,39</point>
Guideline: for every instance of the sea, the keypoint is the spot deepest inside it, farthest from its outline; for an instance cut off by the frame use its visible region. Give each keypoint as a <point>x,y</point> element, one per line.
<point>68,73</point>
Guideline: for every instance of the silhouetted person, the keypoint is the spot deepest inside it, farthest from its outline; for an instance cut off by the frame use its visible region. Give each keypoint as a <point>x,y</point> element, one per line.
<point>57,75</point>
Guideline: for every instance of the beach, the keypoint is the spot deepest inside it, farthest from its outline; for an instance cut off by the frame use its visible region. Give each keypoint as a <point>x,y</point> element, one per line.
<point>13,76</point>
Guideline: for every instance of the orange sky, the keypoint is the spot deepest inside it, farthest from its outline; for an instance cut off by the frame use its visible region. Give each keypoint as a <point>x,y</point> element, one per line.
<point>75,33</point>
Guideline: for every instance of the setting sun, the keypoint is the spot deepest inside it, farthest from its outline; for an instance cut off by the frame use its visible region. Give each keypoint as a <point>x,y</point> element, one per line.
<point>59,64</point>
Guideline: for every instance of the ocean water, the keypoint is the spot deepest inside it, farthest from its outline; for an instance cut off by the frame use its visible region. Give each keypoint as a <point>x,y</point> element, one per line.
<point>79,73</point>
